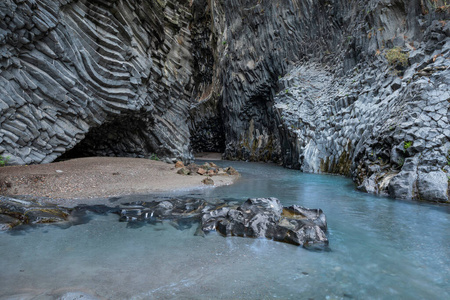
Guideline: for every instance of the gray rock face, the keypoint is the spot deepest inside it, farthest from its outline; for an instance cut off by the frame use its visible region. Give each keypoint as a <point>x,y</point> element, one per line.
<point>109,77</point>
<point>380,121</point>
<point>349,87</point>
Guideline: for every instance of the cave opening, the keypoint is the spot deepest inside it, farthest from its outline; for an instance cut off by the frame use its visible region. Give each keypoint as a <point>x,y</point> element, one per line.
<point>126,136</point>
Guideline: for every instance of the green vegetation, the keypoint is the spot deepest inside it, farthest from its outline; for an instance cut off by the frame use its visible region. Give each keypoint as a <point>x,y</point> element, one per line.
<point>407,144</point>
<point>396,57</point>
<point>153,157</point>
<point>4,160</point>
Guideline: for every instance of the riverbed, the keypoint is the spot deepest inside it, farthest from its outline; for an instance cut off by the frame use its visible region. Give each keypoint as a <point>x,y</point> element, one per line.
<point>379,248</point>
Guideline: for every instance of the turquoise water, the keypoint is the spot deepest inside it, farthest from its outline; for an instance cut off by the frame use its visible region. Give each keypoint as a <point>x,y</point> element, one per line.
<point>379,249</point>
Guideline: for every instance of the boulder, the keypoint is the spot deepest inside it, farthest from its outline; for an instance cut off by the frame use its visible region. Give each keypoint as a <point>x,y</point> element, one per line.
<point>184,171</point>
<point>201,171</point>
<point>208,181</point>
<point>433,186</point>
<point>231,171</point>
<point>179,164</point>
<point>14,212</point>
<point>265,217</point>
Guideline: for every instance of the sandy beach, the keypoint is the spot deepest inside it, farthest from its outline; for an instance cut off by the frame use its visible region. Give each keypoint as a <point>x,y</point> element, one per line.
<point>98,177</point>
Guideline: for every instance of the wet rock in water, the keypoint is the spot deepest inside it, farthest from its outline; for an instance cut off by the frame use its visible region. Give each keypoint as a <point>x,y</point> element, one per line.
<point>168,209</point>
<point>208,181</point>
<point>256,218</point>
<point>7,222</point>
<point>266,217</point>
<point>15,212</point>
<point>231,171</point>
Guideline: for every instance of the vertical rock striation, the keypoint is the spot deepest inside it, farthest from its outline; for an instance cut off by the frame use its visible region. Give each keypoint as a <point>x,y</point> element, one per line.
<point>381,114</point>
<point>359,87</point>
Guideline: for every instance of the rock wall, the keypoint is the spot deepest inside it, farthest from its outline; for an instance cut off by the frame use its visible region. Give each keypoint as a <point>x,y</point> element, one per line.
<point>112,77</point>
<point>262,41</point>
<point>357,87</point>
<point>382,115</point>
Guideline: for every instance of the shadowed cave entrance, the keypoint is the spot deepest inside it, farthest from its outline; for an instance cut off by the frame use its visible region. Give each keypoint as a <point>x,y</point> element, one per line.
<point>208,136</point>
<point>137,136</point>
<point>127,136</point>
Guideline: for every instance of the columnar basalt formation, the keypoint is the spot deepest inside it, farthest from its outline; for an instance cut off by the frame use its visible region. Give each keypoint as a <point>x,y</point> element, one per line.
<point>113,75</point>
<point>358,88</point>
<point>382,117</point>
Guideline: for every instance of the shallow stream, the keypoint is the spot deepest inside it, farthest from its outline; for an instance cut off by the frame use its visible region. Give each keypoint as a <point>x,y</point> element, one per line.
<point>379,249</point>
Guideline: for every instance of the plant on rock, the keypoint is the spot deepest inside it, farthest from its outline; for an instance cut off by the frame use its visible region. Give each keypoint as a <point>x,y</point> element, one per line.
<point>4,160</point>
<point>397,58</point>
<point>407,144</point>
<point>154,157</point>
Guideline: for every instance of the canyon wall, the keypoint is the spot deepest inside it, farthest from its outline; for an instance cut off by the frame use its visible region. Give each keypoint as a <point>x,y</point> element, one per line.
<point>98,77</point>
<point>359,88</point>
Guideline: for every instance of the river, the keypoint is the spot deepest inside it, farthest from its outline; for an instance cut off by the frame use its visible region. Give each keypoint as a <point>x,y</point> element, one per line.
<point>379,249</point>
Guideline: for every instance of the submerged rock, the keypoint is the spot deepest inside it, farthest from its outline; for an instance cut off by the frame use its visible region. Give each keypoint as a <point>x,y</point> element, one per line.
<point>14,212</point>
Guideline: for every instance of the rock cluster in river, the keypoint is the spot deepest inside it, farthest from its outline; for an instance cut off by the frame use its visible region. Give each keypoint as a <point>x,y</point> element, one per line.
<point>359,88</point>
<point>255,218</point>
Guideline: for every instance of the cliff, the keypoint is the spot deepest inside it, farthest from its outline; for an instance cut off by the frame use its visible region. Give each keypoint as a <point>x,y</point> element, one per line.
<point>359,88</point>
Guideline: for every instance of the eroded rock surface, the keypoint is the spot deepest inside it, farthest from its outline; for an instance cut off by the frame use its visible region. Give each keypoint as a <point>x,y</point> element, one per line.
<point>109,77</point>
<point>255,218</point>
<point>14,212</point>
<point>266,217</point>
<point>359,88</point>
<point>383,123</point>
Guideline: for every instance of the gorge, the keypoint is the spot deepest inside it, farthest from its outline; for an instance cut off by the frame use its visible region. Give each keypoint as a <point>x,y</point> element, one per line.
<point>358,88</point>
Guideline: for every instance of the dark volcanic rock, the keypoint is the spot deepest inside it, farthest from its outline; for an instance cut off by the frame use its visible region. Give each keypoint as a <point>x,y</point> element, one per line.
<point>348,87</point>
<point>265,217</point>
<point>260,217</point>
<point>14,212</point>
<point>103,77</point>
<point>168,209</point>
